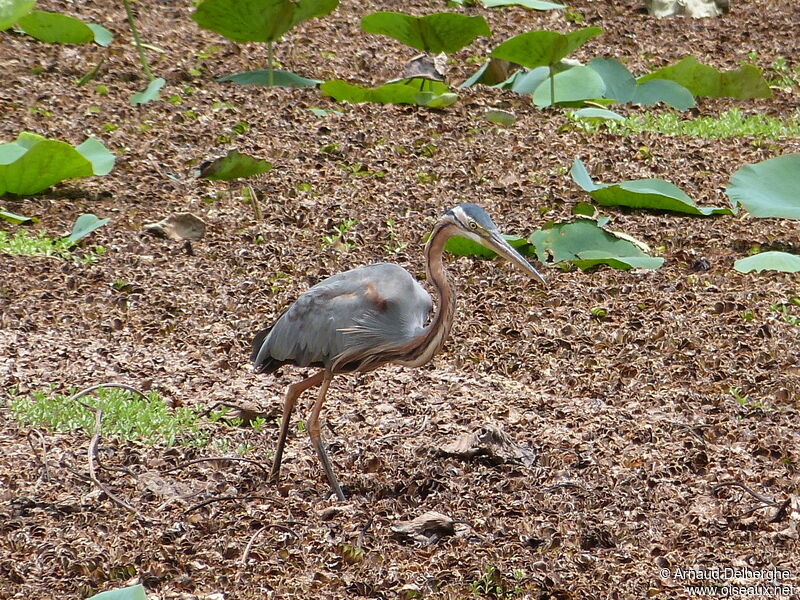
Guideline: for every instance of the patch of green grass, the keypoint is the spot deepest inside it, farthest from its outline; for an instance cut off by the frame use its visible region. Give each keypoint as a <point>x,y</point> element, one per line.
<point>23,242</point>
<point>126,416</point>
<point>731,123</point>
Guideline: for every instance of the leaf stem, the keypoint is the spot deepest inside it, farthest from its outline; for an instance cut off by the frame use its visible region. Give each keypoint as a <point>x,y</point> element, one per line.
<point>552,86</point>
<point>137,40</point>
<point>270,75</point>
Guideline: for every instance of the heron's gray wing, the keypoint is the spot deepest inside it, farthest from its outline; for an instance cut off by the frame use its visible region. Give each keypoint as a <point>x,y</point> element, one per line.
<point>355,311</point>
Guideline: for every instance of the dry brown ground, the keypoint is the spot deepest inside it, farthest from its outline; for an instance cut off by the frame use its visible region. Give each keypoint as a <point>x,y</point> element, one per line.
<point>631,415</point>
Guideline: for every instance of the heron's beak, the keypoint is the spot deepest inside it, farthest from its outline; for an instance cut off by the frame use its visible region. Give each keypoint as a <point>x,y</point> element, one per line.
<point>495,241</point>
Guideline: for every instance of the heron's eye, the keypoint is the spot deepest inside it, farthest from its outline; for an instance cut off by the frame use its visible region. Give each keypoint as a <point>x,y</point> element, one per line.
<point>473,225</point>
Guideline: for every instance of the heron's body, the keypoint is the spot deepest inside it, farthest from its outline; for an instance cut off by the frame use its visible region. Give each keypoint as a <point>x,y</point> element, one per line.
<point>367,317</point>
<point>346,315</point>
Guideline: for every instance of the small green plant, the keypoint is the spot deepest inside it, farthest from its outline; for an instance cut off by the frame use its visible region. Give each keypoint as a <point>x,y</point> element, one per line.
<point>277,281</point>
<point>748,316</point>
<point>125,416</point>
<point>424,149</point>
<point>424,177</point>
<point>492,584</point>
<point>38,111</point>
<point>331,148</point>
<point>359,170</point>
<point>351,554</point>
<point>745,402</point>
<point>573,16</point>
<point>729,124</point>
<point>785,312</point>
<point>785,79</point>
<point>394,246</point>
<point>244,448</point>
<point>339,239</point>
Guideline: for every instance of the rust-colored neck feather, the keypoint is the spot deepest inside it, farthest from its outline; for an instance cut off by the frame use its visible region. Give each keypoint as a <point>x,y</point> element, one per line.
<point>431,340</point>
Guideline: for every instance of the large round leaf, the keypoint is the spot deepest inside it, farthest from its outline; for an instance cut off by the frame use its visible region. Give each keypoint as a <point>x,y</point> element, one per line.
<point>435,33</point>
<point>54,27</point>
<point>769,261</point>
<point>258,20</point>
<point>405,91</point>
<point>32,164</point>
<point>83,226</point>
<point>586,245</point>
<point>96,153</point>
<point>279,79</point>
<point>651,194</point>
<point>543,48</point>
<point>461,246</point>
<point>701,80</point>
<point>11,11</point>
<point>623,88</point>
<point>531,4</point>
<point>573,85</point>
<point>768,188</point>
<point>233,165</point>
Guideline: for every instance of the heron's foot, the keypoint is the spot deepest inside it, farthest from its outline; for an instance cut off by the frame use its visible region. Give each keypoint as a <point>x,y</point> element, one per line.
<point>275,473</point>
<point>328,468</point>
<point>337,490</point>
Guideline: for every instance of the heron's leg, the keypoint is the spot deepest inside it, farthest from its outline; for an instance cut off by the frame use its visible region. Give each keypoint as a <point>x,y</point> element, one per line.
<point>292,394</point>
<point>316,440</point>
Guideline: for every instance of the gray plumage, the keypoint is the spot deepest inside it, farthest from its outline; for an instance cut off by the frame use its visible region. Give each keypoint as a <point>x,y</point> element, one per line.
<point>347,313</point>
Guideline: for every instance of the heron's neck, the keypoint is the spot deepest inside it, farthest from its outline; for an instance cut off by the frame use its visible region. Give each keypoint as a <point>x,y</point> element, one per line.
<point>433,337</point>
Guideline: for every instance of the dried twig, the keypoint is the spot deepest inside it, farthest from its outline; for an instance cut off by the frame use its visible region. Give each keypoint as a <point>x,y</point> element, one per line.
<point>43,460</point>
<point>254,201</point>
<point>565,485</point>
<point>363,531</point>
<point>227,458</point>
<point>781,512</point>
<point>92,451</point>
<point>763,499</point>
<point>247,548</point>
<point>220,499</point>
<point>123,470</point>
<point>416,432</point>
<point>92,388</point>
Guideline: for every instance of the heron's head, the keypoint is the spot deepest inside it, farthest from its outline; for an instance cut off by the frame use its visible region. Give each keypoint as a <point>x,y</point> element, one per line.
<point>476,225</point>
